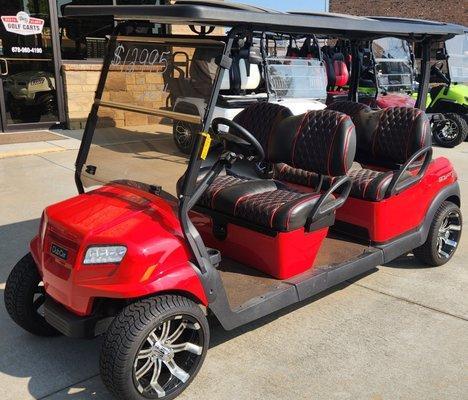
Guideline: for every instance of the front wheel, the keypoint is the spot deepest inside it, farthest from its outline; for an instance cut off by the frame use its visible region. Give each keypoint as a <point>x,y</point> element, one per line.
<point>24,297</point>
<point>444,236</point>
<point>154,348</point>
<point>451,133</point>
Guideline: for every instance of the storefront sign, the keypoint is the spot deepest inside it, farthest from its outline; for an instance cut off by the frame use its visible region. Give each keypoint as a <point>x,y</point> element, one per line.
<point>22,24</point>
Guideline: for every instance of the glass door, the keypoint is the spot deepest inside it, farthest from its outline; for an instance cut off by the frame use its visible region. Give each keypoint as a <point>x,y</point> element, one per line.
<point>28,71</point>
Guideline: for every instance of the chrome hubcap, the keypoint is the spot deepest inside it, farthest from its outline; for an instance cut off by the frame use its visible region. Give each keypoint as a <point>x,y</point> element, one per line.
<point>183,134</point>
<point>449,131</point>
<point>168,356</point>
<point>449,234</point>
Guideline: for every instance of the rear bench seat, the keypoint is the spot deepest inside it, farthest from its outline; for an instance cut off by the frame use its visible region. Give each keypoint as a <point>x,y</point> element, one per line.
<point>386,141</point>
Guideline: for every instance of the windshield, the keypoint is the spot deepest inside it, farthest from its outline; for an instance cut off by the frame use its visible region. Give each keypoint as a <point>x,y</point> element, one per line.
<point>154,87</point>
<point>457,49</point>
<point>296,78</point>
<point>393,64</point>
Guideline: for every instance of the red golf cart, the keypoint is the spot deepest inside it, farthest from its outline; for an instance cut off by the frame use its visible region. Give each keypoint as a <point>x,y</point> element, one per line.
<point>155,242</point>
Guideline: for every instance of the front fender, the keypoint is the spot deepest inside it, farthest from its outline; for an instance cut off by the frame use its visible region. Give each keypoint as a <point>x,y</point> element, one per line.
<point>156,279</point>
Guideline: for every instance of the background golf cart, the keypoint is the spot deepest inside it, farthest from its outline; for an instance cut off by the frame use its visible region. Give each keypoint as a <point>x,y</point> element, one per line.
<point>448,97</point>
<point>30,95</point>
<point>256,75</point>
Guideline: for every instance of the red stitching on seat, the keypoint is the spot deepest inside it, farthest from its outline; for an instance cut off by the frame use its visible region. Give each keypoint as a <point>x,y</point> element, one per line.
<point>423,136</point>
<point>242,198</point>
<point>340,121</point>
<point>303,200</point>
<point>380,185</point>
<point>347,135</point>
<point>296,136</point>
<point>368,181</point>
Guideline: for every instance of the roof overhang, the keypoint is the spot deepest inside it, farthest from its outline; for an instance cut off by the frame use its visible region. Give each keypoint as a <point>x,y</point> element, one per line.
<point>229,15</point>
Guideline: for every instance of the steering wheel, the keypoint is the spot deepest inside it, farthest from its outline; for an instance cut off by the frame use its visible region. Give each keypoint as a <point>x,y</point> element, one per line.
<point>437,69</point>
<point>239,136</point>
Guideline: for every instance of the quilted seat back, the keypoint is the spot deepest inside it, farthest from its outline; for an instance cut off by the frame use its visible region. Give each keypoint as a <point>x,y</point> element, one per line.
<point>321,141</point>
<point>389,137</point>
<point>261,119</point>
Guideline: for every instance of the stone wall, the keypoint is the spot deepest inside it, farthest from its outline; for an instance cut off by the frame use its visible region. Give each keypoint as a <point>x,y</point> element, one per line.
<point>80,81</point>
<point>455,11</point>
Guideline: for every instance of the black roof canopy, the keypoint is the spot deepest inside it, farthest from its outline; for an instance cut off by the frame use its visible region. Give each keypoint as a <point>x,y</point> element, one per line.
<point>226,14</point>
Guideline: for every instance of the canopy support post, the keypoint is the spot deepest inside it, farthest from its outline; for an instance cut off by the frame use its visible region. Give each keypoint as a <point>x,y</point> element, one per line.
<point>423,89</point>
<point>355,73</point>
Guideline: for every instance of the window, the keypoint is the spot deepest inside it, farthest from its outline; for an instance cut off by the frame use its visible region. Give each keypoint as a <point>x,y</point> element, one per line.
<point>85,38</point>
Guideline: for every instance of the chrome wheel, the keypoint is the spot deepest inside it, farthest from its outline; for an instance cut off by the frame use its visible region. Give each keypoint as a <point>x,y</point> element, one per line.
<point>449,235</point>
<point>449,132</point>
<point>168,356</point>
<point>183,136</point>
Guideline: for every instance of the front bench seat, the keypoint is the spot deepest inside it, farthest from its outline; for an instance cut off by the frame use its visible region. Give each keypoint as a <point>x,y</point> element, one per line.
<point>261,119</point>
<point>323,142</point>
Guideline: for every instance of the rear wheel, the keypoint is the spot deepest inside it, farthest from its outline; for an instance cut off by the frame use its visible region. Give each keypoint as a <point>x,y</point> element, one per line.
<point>444,236</point>
<point>453,132</point>
<point>25,296</point>
<point>154,348</point>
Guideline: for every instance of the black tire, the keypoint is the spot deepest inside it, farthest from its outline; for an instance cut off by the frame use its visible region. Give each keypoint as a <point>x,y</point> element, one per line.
<point>451,134</point>
<point>24,296</point>
<point>183,134</point>
<point>429,253</point>
<point>465,117</point>
<point>130,334</point>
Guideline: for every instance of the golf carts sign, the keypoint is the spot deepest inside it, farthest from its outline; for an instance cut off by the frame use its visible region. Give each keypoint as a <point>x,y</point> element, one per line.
<point>22,24</point>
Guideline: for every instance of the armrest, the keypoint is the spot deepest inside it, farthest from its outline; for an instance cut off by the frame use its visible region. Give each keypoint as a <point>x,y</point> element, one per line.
<point>321,208</point>
<point>400,182</point>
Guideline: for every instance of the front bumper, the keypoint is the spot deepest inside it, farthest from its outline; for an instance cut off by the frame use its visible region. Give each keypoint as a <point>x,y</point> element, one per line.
<point>72,325</point>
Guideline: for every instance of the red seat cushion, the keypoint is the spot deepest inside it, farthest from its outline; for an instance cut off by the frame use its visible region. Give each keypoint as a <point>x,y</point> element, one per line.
<point>341,73</point>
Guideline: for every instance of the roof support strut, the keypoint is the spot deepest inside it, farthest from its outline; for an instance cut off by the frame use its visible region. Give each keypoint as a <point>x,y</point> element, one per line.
<point>355,72</point>
<point>425,75</point>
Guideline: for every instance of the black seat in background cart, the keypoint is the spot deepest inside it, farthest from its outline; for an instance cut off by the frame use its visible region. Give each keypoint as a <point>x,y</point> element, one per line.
<point>319,141</point>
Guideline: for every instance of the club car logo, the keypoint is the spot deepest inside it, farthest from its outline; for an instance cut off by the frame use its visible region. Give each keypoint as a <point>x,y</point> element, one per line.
<point>22,24</point>
<point>59,251</point>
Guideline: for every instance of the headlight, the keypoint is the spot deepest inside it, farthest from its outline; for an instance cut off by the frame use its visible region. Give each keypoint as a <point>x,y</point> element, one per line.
<point>104,254</point>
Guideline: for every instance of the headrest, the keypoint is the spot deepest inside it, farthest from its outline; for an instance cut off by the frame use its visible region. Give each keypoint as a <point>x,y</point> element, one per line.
<point>321,141</point>
<point>392,135</point>
<point>260,119</point>
<point>350,108</point>
<point>244,79</point>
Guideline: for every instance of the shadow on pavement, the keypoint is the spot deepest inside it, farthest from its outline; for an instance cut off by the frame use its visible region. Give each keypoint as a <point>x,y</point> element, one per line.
<point>407,261</point>
<point>52,365</point>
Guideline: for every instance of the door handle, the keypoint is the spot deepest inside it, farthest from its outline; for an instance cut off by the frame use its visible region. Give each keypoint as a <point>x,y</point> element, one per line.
<point>4,73</point>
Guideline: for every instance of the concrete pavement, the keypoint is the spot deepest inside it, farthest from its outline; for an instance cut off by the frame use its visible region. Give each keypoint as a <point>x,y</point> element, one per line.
<point>398,333</point>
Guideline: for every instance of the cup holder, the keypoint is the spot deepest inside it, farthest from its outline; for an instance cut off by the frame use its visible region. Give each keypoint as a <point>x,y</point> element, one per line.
<point>215,257</point>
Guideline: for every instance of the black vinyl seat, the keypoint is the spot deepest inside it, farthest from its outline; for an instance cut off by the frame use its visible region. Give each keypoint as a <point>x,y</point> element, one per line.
<point>387,140</point>
<point>296,176</point>
<point>261,119</point>
<point>394,148</point>
<point>319,141</point>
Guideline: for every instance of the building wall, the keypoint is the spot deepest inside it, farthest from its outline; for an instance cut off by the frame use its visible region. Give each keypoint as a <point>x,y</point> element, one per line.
<point>455,11</point>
